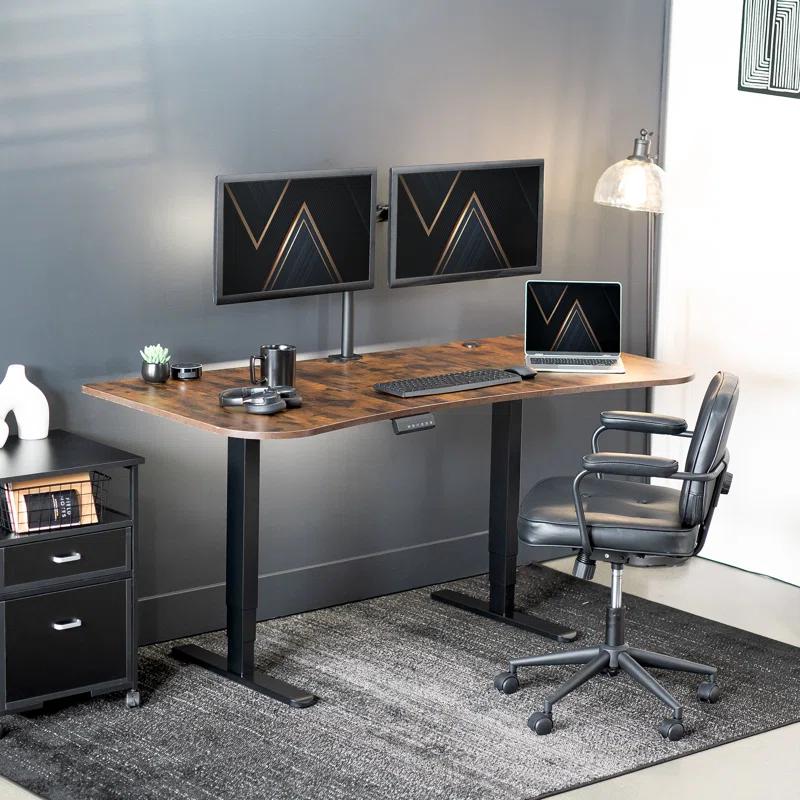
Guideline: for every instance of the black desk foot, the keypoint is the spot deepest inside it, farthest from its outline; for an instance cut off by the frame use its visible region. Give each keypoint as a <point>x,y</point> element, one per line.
<point>520,620</point>
<point>259,682</point>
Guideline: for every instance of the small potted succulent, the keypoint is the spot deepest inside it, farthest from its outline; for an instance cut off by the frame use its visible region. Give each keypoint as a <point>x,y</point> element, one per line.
<point>155,363</point>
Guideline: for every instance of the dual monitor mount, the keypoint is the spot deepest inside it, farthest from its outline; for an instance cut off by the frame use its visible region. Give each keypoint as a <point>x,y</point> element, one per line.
<point>346,352</point>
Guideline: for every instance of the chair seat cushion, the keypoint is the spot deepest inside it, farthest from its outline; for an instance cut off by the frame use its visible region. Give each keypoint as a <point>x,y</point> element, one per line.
<point>621,515</point>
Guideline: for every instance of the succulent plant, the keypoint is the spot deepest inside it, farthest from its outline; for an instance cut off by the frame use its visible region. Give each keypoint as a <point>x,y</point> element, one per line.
<point>155,354</point>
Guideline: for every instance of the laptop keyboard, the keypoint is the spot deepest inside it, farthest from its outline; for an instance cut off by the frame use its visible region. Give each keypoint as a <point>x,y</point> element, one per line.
<point>579,362</point>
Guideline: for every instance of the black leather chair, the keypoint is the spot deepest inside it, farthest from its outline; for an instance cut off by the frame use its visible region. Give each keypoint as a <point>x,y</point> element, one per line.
<point>625,522</point>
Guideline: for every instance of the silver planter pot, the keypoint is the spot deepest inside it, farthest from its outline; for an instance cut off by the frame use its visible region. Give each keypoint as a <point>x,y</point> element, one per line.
<point>155,373</point>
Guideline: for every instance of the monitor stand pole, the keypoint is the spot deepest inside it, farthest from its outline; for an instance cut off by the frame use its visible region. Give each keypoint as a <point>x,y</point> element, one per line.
<point>346,353</point>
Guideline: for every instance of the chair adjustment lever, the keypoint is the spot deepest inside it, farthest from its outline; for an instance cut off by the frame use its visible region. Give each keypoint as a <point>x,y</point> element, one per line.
<point>583,567</point>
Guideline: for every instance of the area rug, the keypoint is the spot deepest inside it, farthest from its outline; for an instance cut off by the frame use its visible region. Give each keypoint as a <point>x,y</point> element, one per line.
<point>407,711</point>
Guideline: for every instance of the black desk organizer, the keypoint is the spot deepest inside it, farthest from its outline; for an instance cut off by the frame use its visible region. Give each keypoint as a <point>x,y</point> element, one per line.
<point>68,596</point>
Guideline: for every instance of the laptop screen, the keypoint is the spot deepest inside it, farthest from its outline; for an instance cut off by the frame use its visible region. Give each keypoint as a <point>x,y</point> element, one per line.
<point>572,317</point>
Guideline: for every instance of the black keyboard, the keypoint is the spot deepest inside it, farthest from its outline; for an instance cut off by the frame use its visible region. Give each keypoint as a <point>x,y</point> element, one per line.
<point>450,382</point>
<point>578,362</point>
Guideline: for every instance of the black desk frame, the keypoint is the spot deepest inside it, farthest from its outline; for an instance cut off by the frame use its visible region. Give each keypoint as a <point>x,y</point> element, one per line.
<point>242,560</point>
<point>503,547</point>
<point>241,586</point>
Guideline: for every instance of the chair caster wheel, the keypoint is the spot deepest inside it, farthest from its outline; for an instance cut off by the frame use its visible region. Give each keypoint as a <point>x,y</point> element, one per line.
<point>708,692</point>
<point>672,729</point>
<point>612,672</point>
<point>506,682</point>
<point>540,723</point>
<point>132,699</point>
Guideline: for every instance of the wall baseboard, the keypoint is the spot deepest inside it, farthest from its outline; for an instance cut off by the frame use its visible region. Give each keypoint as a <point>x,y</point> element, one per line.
<point>201,609</point>
<point>198,610</point>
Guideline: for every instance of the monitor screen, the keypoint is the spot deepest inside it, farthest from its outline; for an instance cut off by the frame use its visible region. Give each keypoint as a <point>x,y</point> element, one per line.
<point>572,317</point>
<point>465,222</point>
<point>293,234</point>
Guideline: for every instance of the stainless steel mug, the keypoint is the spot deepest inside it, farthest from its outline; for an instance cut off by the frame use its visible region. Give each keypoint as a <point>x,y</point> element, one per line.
<point>277,363</point>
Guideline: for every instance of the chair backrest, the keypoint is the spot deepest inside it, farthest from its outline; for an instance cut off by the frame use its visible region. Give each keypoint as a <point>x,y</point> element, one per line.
<point>708,445</point>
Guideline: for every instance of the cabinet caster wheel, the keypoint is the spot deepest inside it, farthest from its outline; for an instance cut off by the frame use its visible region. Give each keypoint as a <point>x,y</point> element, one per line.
<point>708,692</point>
<point>672,729</point>
<point>506,682</point>
<point>540,723</point>
<point>132,699</point>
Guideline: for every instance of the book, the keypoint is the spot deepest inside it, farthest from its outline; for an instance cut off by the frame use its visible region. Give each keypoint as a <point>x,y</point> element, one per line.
<point>44,504</point>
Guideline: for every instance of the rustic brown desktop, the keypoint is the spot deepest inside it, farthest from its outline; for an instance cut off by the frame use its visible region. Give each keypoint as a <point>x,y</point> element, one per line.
<point>337,396</point>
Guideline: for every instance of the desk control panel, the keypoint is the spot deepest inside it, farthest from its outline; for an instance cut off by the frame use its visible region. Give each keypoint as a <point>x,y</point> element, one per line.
<point>419,422</point>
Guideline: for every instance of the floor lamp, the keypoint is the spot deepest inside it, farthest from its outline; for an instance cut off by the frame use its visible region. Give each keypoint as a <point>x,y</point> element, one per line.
<point>637,183</point>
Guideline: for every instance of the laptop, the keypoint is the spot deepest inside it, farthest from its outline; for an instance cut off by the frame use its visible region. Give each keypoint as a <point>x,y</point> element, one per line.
<point>573,326</point>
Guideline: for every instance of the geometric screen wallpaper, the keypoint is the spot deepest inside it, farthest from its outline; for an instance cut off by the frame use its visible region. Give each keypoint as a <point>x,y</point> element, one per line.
<point>462,223</point>
<point>572,317</point>
<point>297,235</point>
<point>769,60</point>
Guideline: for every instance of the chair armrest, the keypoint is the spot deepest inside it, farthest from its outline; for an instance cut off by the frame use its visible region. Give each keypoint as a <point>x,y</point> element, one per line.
<point>643,422</point>
<point>633,465</point>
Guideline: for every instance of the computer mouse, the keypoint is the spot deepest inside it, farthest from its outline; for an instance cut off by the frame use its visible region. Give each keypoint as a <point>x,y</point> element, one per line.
<point>523,371</point>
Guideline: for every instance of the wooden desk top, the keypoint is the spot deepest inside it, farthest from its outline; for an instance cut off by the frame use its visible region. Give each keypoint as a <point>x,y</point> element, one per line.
<point>339,395</point>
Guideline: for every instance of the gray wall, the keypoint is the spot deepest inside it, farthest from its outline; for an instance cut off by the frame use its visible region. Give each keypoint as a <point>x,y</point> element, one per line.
<point>113,124</point>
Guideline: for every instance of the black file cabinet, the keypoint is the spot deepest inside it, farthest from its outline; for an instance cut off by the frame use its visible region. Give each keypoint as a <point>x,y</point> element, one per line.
<point>68,596</point>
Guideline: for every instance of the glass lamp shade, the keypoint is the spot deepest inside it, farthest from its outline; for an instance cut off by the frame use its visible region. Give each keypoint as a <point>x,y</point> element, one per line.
<point>633,183</point>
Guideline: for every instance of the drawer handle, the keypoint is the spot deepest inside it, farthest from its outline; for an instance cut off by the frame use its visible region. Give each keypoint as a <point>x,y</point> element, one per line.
<point>67,624</point>
<point>66,559</point>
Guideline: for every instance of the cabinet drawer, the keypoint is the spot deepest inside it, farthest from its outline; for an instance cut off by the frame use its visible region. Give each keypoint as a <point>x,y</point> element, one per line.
<point>67,640</point>
<point>56,559</point>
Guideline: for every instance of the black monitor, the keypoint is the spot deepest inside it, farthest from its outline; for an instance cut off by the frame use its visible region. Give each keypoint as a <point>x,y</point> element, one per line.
<point>283,235</point>
<point>458,222</point>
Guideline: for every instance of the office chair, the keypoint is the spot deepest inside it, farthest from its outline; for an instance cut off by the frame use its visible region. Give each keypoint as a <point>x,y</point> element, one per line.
<point>623,522</point>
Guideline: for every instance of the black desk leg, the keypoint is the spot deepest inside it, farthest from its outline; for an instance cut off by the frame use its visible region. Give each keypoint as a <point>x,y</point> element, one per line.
<point>503,511</point>
<point>242,584</point>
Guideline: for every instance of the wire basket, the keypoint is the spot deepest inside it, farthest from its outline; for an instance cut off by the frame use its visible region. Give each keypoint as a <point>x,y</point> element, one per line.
<point>42,504</point>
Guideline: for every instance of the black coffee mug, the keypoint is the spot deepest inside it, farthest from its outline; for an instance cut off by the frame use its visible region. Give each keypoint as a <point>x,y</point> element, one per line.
<point>277,365</point>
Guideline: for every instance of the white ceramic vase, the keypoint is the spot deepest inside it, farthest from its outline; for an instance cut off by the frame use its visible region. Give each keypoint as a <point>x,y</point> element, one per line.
<point>3,432</point>
<point>27,402</point>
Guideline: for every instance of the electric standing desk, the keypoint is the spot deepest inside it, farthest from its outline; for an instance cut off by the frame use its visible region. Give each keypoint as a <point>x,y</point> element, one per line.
<point>340,395</point>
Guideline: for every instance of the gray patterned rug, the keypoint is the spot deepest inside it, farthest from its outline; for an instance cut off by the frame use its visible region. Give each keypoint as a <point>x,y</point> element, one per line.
<point>408,709</point>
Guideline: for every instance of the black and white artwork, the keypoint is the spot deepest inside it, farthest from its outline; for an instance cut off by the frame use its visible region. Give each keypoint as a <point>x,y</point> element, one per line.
<point>769,60</point>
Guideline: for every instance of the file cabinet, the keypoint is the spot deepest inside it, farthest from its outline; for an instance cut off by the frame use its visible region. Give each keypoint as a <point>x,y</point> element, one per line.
<point>68,596</point>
